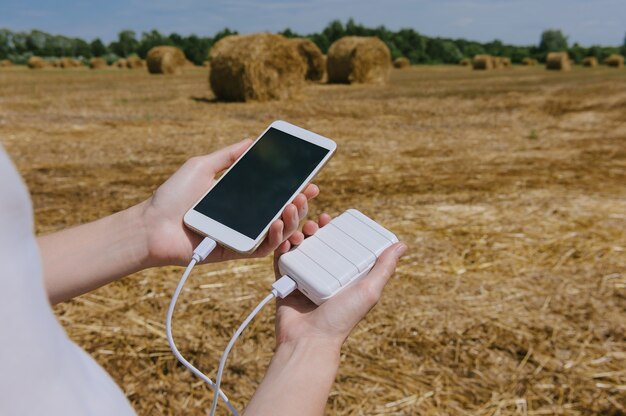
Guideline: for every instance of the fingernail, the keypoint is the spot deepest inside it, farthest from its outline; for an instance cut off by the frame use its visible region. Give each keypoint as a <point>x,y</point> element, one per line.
<point>400,249</point>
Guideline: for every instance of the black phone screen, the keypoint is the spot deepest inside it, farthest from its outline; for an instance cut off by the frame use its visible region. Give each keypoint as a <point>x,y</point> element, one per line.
<point>261,182</point>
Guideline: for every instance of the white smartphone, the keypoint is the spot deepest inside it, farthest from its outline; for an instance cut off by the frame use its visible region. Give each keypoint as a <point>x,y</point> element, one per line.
<point>240,207</point>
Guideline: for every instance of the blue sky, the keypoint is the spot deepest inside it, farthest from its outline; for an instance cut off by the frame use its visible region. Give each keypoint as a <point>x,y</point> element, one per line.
<point>512,21</point>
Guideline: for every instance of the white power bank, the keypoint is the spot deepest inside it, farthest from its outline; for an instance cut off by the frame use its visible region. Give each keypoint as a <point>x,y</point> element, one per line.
<point>338,254</point>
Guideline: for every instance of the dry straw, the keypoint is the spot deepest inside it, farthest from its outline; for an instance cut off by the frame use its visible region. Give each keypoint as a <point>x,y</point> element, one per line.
<point>135,62</point>
<point>35,62</point>
<point>615,61</point>
<point>121,63</point>
<point>97,63</point>
<point>529,62</point>
<point>590,61</point>
<point>67,63</point>
<point>257,67</point>
<point>401,62</point>
<point>5,63</point>
<point>313,58</point>
<point>558,61</point>
<point>483,62</point>
<point>465,62</point>
<point>165,60</point>
<point>355,59</point>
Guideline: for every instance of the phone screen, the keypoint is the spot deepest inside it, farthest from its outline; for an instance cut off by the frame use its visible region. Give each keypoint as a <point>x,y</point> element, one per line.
<point>261,182</point>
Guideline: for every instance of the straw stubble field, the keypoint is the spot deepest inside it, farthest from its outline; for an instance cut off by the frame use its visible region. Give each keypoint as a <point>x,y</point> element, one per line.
<point>509,188</point>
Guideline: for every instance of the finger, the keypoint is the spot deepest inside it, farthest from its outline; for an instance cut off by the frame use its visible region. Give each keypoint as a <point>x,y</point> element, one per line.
<point>225,157</point>
<point>309,228</point>
<point>291,220</point>
<point>324,219</point>
<point>282,249</point>
<point>296,238</point>
<point>302,206</point>
<point>378,277</point>
<point>311,191</point>
<point>273,240</point>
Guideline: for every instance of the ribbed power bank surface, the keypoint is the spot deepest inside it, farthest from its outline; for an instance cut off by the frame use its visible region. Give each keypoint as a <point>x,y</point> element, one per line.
<point>338,254</point>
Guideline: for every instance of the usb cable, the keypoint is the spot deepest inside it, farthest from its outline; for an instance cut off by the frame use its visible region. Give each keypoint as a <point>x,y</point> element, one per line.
<point>280,289</point>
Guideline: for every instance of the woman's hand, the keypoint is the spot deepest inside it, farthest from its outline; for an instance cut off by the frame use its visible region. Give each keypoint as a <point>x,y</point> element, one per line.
<point>309,338</point>
<point>299,319</point>
<point>170,242</point>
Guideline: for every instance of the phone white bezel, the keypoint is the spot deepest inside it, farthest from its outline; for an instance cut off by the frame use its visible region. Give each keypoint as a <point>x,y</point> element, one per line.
<point>233,239</point>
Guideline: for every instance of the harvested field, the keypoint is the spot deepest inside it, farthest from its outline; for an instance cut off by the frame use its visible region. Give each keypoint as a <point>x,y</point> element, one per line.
<point>508,187</point>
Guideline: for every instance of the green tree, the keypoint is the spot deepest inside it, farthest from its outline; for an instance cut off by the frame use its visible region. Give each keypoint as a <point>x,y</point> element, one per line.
<point>126,44</point>
<point>98,48</point>
<point>552,40</point>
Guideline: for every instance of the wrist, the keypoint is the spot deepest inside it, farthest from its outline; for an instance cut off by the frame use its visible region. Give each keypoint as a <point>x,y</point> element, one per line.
<point>135,217</point>
<point>328,348</point>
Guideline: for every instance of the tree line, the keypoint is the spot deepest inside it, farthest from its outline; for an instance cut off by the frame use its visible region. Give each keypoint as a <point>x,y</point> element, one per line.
<point>418,48</point>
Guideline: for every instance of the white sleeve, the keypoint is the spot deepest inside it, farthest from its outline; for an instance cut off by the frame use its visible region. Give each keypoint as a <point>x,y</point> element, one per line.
<point>42,372</point>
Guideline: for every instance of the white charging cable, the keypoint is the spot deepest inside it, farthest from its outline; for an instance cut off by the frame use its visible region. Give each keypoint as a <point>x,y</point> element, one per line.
<point>281,288</point>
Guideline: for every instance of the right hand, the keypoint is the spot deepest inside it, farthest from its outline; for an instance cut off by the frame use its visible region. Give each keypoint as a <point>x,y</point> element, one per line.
<point>298,318</point>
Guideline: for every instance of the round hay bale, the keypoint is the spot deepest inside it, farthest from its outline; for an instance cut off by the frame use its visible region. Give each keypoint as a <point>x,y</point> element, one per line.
<point>401,62</point>
<point>506,63</point>
<point>67,63</point>
<point>465,62</point>
<point>260,67</point>
<point>359,59</point>
<point>615,61</point>
<point>482,62</point>
<point>135,62</point>
<point>497,62</point>
<point>558,61</point>
<point>165,60</point>
<point>35,62</point>
<point>5,63</point>
<point>206,64</point>
<point>121,63</point>
<point>590,61</point>
<point>529,62</point>
<point>312,57</point>
<point>97,63</point>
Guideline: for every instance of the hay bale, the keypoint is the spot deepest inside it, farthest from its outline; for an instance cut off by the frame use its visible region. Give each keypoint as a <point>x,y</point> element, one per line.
<point>358,59</point>
<point>401,62</point>
<point>97,63</point>
<point>312,57</point>
<point>465,62</point>
<point>590,61</point>
<point>5,63</point>
<point>135,62</point>
<point>165,60</point>
<point>121,63</point>
<point>615,61</point>
<point>35,62</point>
<point>260,67</point>
<point>529,62</point>
<point>558,61</point>
<point>206,63</point>
<point>483,62</point>
<point>506,63</point>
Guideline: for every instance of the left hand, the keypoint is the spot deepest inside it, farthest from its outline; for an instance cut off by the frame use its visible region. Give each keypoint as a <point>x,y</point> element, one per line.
<point>170,242</point>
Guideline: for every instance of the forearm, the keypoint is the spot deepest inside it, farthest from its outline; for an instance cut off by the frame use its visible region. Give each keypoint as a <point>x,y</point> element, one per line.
<point>83,258</point>
<point>298,380</point>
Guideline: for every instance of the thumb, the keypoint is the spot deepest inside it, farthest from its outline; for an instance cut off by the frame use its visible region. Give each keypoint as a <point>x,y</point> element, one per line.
<point>378,277</point>
<point>224,158</point>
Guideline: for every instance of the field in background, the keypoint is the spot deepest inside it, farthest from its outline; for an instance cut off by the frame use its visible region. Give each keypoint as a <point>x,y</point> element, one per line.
<point>509,188</point>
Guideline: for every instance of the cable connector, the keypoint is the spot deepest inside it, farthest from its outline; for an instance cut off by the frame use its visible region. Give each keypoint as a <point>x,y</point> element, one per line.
<point>203,250</point>
<point>283,287</point>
